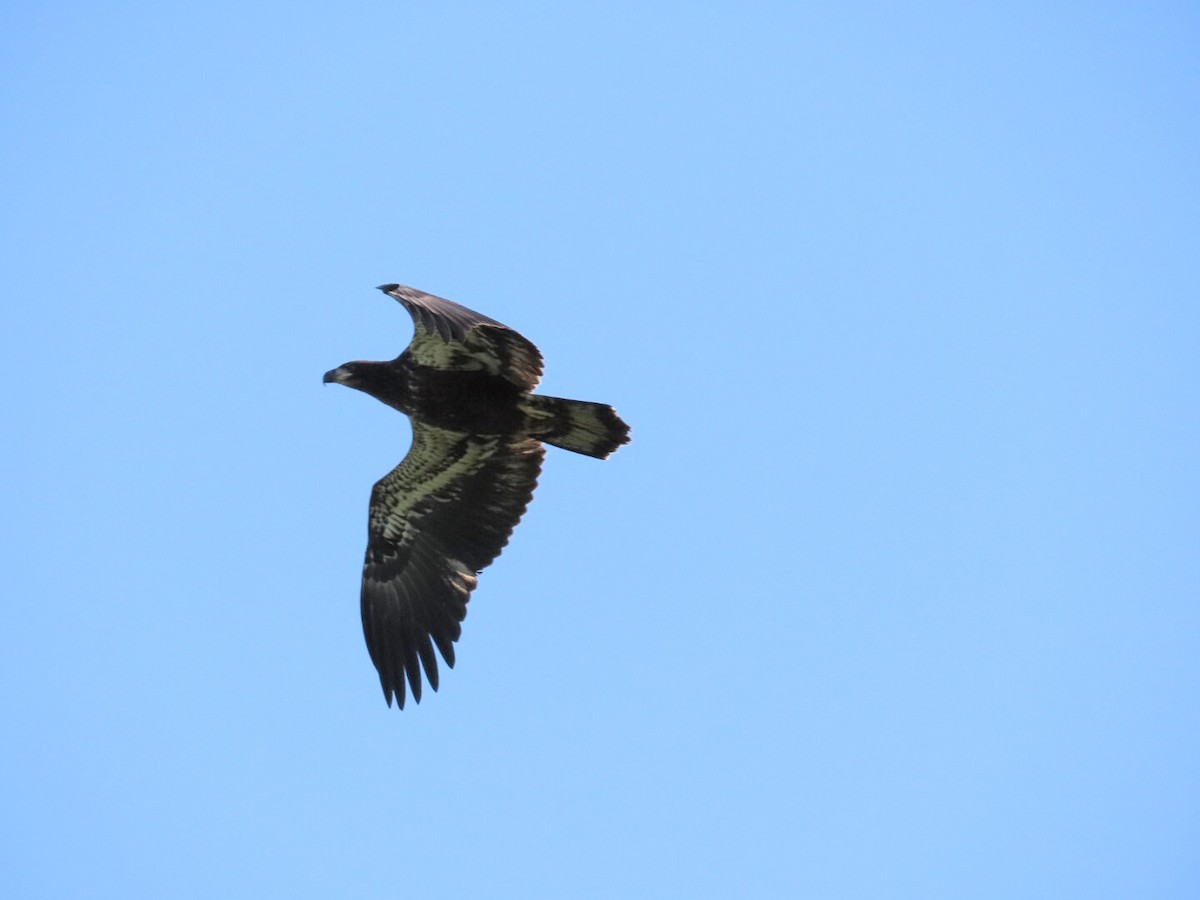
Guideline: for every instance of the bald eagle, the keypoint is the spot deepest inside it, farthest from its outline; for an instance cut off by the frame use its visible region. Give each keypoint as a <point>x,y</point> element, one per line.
<point>442,515</point>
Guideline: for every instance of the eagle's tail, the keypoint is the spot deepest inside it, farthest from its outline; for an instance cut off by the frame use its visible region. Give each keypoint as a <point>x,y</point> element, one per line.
<point>593,429</point>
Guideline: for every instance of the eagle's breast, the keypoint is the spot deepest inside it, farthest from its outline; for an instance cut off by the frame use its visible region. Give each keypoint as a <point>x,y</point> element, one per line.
<point>474,402</point>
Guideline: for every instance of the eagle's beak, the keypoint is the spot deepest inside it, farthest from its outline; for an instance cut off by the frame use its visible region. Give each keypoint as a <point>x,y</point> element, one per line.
<point>333,376</point>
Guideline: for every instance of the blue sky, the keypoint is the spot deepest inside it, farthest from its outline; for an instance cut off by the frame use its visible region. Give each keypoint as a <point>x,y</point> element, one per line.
<point>896,591</point>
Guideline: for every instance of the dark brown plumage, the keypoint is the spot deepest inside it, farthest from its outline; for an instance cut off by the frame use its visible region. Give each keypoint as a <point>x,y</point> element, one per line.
<point>448,509</point>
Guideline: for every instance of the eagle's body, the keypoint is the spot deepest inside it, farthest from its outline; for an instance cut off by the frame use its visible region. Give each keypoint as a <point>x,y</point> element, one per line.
<point>448,509</point>
<point>472,402</point>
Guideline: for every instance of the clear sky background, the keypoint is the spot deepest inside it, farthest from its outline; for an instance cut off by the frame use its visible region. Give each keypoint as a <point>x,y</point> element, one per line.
<point>896,592</point>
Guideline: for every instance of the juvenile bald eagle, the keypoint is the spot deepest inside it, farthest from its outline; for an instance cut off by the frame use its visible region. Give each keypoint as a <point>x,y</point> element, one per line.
<point>448,509</point>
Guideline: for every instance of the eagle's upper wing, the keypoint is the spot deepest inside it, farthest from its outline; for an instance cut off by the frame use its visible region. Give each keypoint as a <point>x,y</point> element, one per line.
<point>438,518</point>
<point>450,336</point>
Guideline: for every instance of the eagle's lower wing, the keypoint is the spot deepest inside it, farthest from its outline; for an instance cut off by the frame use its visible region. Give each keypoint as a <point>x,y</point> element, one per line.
<point>450,336</point>
<point>436,520</point>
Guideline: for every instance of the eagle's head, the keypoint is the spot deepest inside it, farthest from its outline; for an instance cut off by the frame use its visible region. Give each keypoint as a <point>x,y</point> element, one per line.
<point>352,374</point>
<point>382,380</point>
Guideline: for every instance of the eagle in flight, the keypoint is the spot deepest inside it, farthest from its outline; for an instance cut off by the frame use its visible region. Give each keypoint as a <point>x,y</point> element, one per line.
<point>448,509</point>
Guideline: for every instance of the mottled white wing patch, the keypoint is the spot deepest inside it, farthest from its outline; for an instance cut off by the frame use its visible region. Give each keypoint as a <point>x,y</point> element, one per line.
<point>437,460</point>
<point>449,336</point>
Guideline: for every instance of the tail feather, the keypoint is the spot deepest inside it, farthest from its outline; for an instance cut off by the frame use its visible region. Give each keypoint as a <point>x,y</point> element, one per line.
<point>593,429</point>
